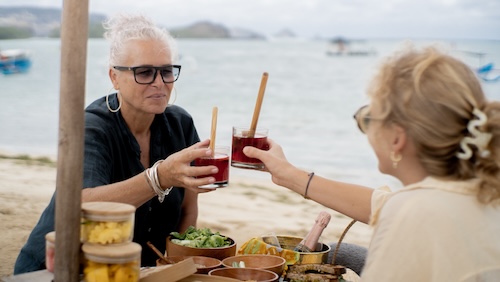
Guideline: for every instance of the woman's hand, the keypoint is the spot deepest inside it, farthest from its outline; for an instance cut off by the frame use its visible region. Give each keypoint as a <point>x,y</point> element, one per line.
<point>176,169</point>
<point>274,160</point>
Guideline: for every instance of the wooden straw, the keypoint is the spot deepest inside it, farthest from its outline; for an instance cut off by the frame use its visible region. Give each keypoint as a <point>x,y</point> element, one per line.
<point>258,104</point>
<point>213,130</point>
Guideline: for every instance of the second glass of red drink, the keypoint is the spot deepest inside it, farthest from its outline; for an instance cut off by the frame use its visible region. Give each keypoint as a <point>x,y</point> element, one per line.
<point>220,159</point>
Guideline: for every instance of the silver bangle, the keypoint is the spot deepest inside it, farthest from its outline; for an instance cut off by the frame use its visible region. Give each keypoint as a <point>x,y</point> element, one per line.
<point>154,182</point>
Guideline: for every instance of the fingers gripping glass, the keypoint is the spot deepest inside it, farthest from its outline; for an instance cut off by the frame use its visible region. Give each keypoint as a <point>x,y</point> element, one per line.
<point>147,74</point>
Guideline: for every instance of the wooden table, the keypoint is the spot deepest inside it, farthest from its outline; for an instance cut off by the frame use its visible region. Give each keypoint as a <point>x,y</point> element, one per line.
<point>41,276</point>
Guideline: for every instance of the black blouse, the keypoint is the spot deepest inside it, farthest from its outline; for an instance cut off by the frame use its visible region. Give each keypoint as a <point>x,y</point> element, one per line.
<point>112,154</point>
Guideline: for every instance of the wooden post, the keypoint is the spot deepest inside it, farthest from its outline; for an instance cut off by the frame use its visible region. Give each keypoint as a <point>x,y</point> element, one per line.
<point>69,181</point>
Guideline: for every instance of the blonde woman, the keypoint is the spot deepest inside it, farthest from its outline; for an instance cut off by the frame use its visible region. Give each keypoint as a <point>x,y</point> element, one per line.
<point>430,126</point>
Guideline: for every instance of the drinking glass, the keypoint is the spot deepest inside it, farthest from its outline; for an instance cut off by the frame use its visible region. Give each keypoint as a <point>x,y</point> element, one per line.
<point>243,136</point>
<point>220,159</point>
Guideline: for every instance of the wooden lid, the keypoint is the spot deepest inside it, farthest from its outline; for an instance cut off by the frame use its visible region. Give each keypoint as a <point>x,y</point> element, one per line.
<point>111,209</point>
<point>51,236</point>
<point>104,253</point>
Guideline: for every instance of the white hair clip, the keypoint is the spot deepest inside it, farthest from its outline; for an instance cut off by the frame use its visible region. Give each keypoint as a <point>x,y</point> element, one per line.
<point>477,138</point>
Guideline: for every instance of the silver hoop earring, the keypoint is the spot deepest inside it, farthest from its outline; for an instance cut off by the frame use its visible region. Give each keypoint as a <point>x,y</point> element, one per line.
<point>119,102</point>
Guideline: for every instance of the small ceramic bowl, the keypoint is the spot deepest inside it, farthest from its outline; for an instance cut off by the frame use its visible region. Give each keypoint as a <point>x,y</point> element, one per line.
<point>203,264</point>
<point>207,278</point>
<point>221,253</point>
<point>272,263</point>
<point>245,274</point>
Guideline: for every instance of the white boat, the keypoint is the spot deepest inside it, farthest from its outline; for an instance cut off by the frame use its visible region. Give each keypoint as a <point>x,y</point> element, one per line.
<point>14,61</point>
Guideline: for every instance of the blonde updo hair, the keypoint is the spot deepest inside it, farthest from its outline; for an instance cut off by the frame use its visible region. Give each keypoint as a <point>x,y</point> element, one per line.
<point>122,28</point>
<point>432,95</point>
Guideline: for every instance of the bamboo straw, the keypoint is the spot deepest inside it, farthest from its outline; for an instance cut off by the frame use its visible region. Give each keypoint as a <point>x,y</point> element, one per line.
<point>213,130</point>
<point>258,104</point>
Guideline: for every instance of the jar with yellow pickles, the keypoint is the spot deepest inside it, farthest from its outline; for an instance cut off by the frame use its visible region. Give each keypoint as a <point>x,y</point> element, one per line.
<point>107,223</point>
<point>50,250</point>
<point>111,263</point>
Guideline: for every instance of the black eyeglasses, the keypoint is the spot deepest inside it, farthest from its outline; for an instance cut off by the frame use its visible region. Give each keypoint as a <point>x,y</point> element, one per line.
<point>147,74</point>
<point>362,117</point>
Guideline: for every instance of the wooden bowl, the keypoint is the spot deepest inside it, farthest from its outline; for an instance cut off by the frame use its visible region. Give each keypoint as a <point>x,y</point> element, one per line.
<point>245,274</point>
<point>207,278</point>
<point>203,264</point>
<point>272,263</point>
<point>221,253</point>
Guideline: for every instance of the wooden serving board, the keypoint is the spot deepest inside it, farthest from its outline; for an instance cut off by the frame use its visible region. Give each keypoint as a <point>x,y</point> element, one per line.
<point>169,272</point>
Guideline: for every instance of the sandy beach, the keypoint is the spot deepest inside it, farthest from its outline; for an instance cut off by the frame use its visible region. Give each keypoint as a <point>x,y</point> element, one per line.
<point>246,208</point>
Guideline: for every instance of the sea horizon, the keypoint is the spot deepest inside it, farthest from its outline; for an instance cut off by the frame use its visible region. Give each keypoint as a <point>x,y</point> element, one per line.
<point>308,105</point>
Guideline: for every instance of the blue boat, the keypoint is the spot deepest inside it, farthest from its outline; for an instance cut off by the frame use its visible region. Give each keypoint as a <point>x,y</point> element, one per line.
<point>488,73</point>
<point>14,61</point>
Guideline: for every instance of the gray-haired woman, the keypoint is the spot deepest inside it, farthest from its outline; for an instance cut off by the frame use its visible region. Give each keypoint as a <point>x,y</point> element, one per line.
<point>138,148</point>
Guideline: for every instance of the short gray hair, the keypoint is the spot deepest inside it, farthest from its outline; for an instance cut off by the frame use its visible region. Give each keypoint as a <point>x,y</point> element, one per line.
<point>122,28</point>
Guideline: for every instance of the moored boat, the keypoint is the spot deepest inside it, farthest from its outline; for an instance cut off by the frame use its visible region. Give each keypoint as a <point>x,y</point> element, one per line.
<point>342,47</point>
<point>14,61</point>
<point>488,73</point>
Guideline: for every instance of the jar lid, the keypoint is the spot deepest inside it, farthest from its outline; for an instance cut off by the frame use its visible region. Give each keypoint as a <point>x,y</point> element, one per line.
<point>112,209</point>
<point>111,253</point>
<point>51,236</point>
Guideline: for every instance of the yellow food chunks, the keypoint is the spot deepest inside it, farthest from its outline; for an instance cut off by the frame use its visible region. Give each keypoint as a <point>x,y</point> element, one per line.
<point>106,232</point>
<point>96,272</point>
<point>101,272</point>
<point>125,273</point>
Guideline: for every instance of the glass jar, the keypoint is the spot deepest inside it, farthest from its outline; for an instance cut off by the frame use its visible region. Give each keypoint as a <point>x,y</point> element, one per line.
<point>50,250</point>
<point>111,262</point>
<point>107,223</point>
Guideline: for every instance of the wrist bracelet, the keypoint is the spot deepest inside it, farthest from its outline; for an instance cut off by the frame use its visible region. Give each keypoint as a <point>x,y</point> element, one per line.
<point>146,175</point>
<point>154,182</point>
<point>307,186</point>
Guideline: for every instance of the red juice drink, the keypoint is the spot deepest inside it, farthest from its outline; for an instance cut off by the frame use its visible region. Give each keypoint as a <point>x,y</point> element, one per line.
<point>242,137</point>
<point>221,161</point>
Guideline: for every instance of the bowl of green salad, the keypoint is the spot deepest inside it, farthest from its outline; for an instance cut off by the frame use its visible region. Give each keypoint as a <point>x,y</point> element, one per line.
<point>200,242</point>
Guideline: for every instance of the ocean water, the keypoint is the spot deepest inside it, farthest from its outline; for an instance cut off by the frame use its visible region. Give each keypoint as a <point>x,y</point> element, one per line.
<point>308,105</point>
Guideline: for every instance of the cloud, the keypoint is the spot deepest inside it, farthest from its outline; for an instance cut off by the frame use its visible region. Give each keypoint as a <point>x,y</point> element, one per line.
<point>326,18</point>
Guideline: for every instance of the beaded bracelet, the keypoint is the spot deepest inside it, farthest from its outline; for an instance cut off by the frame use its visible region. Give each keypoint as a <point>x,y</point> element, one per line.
<point>307,186</point>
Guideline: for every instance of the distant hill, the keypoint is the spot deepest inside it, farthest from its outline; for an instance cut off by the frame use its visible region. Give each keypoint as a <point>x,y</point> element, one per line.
<point>203,29</point>
<point>206,29</point>
<point>40,22</point>
<point>25,22</point>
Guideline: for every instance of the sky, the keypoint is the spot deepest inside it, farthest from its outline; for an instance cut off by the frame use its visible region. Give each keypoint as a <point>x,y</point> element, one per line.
<point>426,19</point>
